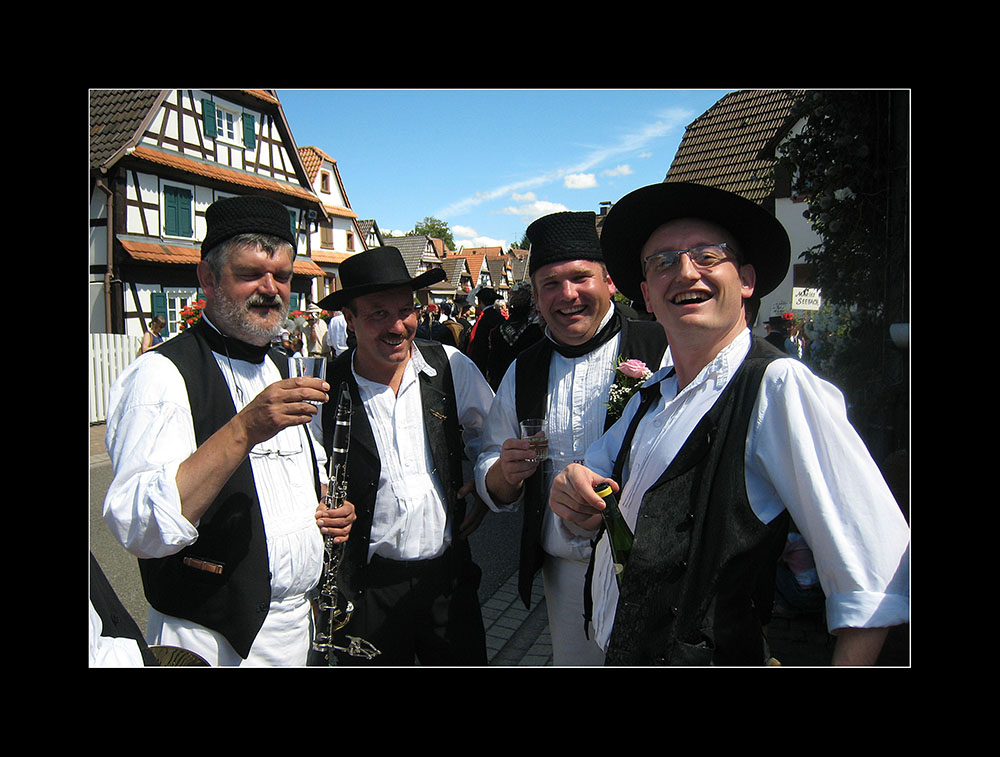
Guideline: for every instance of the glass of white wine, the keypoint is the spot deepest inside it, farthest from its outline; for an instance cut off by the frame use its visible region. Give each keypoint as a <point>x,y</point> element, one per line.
<point>533,430</point>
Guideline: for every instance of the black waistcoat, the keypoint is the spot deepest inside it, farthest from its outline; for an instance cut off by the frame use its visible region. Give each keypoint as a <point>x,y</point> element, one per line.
<point>117,623</point>
<point>700,576</point>
<point>231,532</point>
<point>444,434</point>
<point>640,340</point>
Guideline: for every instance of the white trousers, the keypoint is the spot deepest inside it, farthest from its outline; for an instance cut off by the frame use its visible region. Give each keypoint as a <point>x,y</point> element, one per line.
<point>563,582</point>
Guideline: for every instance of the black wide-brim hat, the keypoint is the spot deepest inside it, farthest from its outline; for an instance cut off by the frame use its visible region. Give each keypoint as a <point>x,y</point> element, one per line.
<point>762,239</point>
<point>246,214</point>
<point>376,270</point>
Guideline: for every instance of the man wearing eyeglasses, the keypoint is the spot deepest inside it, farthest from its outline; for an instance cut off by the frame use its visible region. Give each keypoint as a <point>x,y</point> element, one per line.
<point>217,479</point>
<point>720,449</point>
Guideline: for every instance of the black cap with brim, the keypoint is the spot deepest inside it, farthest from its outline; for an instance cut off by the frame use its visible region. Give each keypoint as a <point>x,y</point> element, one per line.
<point>376,270</point>
<point>762,239</point>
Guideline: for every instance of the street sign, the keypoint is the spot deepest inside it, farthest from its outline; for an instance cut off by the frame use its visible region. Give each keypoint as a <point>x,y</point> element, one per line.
<point>806,299</point>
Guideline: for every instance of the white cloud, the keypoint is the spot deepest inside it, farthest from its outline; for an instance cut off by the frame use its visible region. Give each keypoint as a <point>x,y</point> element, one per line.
<point>528,212</point>
<point>580,181</point>
<point>466,236</point>
<point>577,176</point>
<point>619,170</point>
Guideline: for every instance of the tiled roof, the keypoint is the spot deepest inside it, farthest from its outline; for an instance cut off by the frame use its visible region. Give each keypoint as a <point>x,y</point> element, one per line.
<point>731,145</point>
<point>116,116</point>
<point>214,171</point>
<point>312,159</point>
<point>411,247</point>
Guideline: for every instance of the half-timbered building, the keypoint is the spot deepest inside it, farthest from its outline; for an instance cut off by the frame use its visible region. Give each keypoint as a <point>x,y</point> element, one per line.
<point>158,159</point>
<point>338,236</point>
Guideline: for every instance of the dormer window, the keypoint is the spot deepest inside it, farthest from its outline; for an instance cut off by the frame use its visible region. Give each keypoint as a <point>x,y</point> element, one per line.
<point>228,124</point>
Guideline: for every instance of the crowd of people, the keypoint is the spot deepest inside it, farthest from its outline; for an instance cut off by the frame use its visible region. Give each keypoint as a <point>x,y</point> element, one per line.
<point>726,454</point>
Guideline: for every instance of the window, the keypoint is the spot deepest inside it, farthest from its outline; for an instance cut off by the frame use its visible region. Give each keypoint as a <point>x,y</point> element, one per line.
<point>225,124</point>
<point>228,124</point>
<point>324,182</point>
<point>177,208</point>
<point>175,301</point>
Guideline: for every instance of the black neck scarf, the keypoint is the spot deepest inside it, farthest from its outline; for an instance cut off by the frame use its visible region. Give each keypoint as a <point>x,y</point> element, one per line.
<point>609,330</point>
<point>233,348</point>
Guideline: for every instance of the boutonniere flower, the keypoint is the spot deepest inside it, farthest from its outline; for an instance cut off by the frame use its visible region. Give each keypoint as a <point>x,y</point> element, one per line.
<point>629,376</point>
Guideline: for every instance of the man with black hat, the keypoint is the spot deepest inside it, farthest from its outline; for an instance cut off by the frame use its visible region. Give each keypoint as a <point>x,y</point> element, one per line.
<point>217,478</point>
<point>418,408</point>
<point>490,316</point>
<point>565,379</point>
<point>721,447</point>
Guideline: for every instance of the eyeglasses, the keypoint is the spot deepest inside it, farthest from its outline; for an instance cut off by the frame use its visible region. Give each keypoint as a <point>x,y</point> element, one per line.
<point>702,257</point>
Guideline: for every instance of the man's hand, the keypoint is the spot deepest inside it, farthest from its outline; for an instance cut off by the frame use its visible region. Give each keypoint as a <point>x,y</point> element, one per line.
<point>506,476</point>
<point>281,405</point>
<point>337,521</point>
<point>572,496</point>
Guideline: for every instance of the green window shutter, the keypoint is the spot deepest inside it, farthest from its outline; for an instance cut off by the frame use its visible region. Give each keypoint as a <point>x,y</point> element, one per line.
<point>177,212</point>
<point>208,117</point>
<point>249,138</point>
<point>291,223</point>
<point>159,302</point>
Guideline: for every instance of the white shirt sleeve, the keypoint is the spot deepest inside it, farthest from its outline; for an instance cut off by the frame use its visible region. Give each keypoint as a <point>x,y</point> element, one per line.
<point>501,424</point>
<point>149,433</point>
<point>474,397</point>
<point>804,455</point>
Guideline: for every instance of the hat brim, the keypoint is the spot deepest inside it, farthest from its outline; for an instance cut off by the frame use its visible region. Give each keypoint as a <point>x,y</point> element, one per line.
<point>761,237</point>
<point>336,300</point>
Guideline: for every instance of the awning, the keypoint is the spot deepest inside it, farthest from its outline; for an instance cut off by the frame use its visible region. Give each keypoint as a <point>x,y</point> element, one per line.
<point>157,252</point>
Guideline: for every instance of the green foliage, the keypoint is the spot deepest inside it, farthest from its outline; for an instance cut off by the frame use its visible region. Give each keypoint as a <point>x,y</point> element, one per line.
<point>435,227</point>
<point>846,164</point>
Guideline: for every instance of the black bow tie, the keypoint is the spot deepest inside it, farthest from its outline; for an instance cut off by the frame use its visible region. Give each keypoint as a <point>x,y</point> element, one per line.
<point>233,348</point>
<point>610,329</point>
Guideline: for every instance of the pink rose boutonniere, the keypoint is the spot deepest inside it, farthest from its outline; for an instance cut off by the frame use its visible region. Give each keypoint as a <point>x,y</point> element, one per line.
<point>629,376</point>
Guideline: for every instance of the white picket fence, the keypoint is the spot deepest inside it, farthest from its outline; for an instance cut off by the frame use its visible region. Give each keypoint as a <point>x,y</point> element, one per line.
<point>109,355</point>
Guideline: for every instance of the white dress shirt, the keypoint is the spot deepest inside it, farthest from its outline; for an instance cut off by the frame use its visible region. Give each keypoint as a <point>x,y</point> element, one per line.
<point>575,412</point>
<point>410,520</point>
<point>802,455</point>
<point>150,432</point>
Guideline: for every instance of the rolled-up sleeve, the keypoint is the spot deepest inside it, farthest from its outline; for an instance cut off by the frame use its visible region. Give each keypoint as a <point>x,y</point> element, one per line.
<point>804,455</point>
<point>149,433</point>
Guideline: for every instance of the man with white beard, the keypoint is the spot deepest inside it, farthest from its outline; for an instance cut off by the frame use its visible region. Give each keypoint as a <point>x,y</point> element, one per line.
<point>217,476</point>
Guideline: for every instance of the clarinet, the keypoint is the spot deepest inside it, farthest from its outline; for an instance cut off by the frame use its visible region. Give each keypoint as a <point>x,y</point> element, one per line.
<point>331,615</point>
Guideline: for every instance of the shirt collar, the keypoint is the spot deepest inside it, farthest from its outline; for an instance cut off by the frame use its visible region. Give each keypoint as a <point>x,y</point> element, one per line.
<point>720,369</point>
<point>416,363</point>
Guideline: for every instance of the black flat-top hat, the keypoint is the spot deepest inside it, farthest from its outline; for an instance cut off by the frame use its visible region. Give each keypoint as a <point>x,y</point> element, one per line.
<point>762,239</point>
<point>376,270</point>
<point>246,214</point>
<point>559,237</point>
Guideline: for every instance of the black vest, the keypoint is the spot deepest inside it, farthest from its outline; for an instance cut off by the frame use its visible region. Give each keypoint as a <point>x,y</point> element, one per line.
<point>700,576</point>
<point>231,532</point>
<point>641,340</point>
<point>117,623</point>
<point>444,434</point>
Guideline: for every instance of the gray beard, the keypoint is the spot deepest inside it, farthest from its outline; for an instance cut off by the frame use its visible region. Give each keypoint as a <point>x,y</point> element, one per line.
<point>232,318</point>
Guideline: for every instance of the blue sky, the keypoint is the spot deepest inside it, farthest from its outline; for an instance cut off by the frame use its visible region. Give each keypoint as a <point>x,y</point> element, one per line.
<point>488,162</point>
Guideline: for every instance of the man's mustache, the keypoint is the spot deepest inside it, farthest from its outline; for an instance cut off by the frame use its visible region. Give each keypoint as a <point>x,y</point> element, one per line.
<point>264,301</point>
